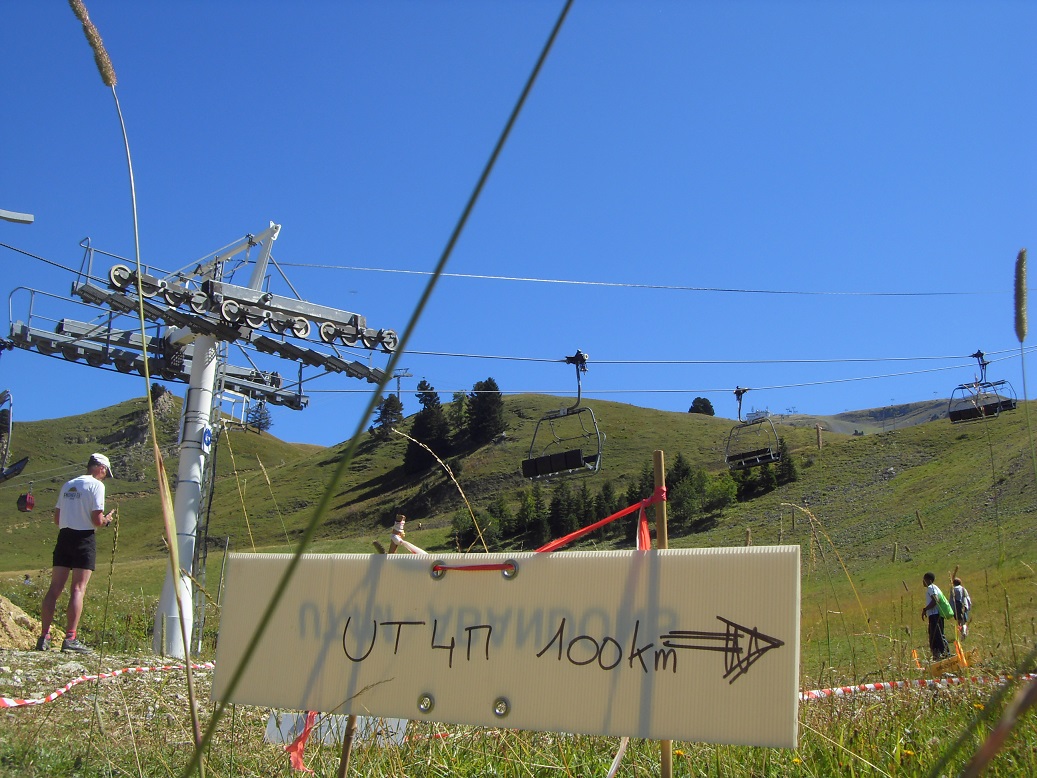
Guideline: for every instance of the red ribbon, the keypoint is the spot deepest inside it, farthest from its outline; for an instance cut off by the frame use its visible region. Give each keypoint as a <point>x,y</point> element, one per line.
<point>495,566</point>
<point>298,745</point>
<point>644,541</point>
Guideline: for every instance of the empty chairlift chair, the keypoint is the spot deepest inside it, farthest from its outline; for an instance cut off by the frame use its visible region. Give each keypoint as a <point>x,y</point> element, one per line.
<point>6,429</point>
<point>980,398</point>
<point>566,442</point>
<point>752,442</point>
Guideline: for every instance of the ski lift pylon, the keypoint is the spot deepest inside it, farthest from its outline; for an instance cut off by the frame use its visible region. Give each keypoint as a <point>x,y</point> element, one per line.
<point>752,442</point>
<point>980,398</point>
<point>566,442</point>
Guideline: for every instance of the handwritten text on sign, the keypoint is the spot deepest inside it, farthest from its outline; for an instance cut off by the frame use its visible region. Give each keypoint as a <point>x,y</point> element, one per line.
<point>696,645</point>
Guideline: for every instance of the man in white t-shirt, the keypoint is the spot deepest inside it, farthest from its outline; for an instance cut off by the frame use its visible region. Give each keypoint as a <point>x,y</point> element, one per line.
<point>80,510</point>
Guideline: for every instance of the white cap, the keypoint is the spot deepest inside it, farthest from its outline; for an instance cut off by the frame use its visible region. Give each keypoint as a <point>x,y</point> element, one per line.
<point>101,459</point>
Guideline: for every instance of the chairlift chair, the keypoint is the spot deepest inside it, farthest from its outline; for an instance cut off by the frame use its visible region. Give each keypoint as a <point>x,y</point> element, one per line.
<point>752,442</point>
<point>566,442</point>
<point>980,398</point>
<point>6,429</point>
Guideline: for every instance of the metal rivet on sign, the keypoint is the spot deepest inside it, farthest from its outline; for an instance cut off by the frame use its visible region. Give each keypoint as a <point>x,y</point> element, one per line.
<point>438,571</point>
<point>510,569</point>
<point>426,703</point>
<point>501,706</point>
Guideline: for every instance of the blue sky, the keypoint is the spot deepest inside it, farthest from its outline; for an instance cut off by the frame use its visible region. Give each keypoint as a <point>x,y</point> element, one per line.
<point>863,172</point>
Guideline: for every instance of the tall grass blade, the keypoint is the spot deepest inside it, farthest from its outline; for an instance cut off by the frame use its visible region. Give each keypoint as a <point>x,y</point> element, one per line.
<point>107,72</point>
<point>347,457</point>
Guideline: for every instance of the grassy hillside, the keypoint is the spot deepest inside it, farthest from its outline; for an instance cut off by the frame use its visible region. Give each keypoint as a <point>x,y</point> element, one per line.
<point>930,490</point>
<point>871,513</point>
<point>889,506</point>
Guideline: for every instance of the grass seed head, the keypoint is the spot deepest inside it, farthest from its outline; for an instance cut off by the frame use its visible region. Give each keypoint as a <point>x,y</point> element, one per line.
<point>93,37</point>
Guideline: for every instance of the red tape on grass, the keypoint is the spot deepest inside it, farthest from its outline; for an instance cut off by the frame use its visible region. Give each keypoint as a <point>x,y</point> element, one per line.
<point>14,702</point>
<point>815,694</point>
<point>846,691</point>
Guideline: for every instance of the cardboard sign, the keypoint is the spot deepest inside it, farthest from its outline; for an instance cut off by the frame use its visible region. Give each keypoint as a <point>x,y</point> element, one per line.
<point>684,644</point>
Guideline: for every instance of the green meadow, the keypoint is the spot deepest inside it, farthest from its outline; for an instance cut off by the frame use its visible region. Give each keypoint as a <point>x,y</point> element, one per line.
<point>870,512</point>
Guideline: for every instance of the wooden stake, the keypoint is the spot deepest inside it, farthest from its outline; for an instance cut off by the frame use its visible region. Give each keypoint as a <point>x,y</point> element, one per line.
<point>662,541</point>
<point>397,530</point>
<point>350,733</point>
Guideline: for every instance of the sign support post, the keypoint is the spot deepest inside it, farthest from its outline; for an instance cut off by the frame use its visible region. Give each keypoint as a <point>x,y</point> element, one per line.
<point>347,740</point>
<point>662,541</point>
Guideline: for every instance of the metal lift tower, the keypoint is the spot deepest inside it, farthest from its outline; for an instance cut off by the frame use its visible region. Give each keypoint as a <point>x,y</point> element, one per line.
<point>197,314</point>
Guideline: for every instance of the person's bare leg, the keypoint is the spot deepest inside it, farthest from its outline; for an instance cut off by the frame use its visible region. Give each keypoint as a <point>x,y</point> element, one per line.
<point>80,578</point>
<point>58,577</point>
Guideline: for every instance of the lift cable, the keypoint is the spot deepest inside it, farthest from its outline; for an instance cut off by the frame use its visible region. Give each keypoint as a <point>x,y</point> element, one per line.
<point>571,282</point>
<point>725,389</point>
<point>624,285</point>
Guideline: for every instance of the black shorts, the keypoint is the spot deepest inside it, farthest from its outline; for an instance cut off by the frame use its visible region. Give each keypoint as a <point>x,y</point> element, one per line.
<point>75,549</point>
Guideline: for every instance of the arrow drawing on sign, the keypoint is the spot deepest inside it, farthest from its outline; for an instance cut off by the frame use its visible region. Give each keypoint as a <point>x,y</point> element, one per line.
<point>741,646</point>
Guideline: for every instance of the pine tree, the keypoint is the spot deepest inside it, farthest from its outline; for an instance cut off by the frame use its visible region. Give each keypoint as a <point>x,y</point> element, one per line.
<point>499,511</point>
<point>431,428</point>
<point>605,504</point>
<point>766,479</point>
<point>485,412</point>
<point>526,513</point>
<point>584,506</point>
<point>679,470</point>
<point>787,471</point>
<point>458,413</point>
<point>702,405</point>
<point>561,518</point>
<point>683,502</point>
<point>258,417</point>
<point>464,529</point>
<point>541,529</point>
<point>388,415</point>
<point>428,397</point>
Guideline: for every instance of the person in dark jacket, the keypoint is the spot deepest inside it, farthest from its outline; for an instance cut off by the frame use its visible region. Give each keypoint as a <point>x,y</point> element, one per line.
<point>931,609</point>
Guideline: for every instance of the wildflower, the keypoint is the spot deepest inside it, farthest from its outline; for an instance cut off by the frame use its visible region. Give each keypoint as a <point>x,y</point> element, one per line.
<point>907,752</point>
<point>678,752</point>
<point>796,760</point>
<point>978,705</point>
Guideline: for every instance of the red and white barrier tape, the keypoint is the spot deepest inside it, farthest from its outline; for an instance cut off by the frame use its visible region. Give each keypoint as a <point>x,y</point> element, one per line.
<point>14,702</point>
<point>846,691</point>
<point>815,694</point>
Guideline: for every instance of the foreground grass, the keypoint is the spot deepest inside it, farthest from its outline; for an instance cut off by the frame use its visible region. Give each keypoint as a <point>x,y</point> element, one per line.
<point>139,725</point>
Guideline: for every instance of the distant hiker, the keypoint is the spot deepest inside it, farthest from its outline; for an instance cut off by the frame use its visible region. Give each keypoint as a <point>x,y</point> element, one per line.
<point>937,642</point>
<point>962,605</point>
<point>80,510</point>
